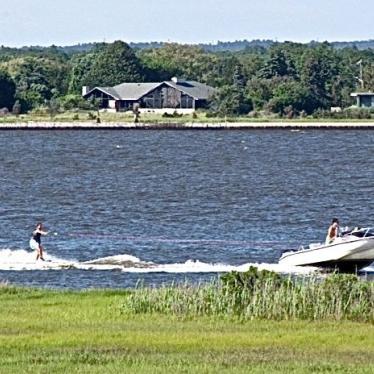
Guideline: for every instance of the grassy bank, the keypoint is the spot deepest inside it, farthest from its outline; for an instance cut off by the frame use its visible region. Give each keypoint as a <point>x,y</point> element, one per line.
<point>44,331</point>
<point>80,116</point>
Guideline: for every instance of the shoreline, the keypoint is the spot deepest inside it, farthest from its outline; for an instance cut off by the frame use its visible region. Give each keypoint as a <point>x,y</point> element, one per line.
<point>49,125</point>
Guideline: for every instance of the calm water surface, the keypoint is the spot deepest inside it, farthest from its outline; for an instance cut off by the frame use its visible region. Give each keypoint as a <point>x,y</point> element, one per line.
<point>173,204</point>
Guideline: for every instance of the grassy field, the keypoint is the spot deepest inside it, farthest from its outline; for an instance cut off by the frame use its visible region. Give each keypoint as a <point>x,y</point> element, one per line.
<point>44,331</point>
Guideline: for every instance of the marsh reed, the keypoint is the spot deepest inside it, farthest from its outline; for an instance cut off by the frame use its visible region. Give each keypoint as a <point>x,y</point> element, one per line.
<point>261,295</point>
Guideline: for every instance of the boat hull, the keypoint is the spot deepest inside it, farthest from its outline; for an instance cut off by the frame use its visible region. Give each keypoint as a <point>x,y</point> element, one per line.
<point>347,255</point>
<point>348,266</point>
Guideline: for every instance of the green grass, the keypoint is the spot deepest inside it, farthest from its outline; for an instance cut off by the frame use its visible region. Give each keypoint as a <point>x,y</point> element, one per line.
<point>44,331</point>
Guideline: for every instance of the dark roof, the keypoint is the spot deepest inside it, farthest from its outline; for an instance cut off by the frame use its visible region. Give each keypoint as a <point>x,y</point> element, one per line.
<point>135,91</point>
<point>354,94</point>
<point>199,91</point>
<point>108,90</point>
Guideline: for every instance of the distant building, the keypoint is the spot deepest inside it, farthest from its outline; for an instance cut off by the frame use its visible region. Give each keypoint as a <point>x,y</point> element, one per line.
<point>174,95</point>
<point>364,99</point>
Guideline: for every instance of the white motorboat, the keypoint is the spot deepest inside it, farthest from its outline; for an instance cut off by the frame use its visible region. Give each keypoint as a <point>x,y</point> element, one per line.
<point>350,252</point>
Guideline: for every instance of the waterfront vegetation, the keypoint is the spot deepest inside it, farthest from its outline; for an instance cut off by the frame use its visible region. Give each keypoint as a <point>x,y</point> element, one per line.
<point>85,116</point>
<point>283,80</point>
<point>262,295</point>
<point>165,330</point>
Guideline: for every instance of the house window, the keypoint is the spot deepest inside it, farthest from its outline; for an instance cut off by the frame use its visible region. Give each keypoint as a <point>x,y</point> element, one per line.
<point>152,100</point>
<point>186,102</point>
<point>366,101</point>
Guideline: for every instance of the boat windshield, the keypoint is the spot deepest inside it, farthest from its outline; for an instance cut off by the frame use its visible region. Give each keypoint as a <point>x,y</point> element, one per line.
<point>362,233</point>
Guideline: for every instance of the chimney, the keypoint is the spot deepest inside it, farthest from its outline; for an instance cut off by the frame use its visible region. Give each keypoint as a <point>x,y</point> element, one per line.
<point>85,90</point>
<point>175,80</point>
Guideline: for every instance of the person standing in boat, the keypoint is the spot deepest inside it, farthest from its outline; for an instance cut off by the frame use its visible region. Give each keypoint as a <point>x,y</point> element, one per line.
<point>35,241</point>
<point>333,231</point>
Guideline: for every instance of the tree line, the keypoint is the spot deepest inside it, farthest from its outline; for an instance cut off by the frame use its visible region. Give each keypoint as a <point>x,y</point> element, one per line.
<point>285,79</point>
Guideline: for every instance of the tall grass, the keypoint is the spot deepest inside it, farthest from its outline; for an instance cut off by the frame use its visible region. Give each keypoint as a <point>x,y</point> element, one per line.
<point>261,295</point>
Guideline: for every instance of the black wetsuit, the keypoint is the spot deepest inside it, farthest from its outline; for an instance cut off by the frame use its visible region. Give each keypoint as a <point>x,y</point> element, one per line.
<point>36,237</point>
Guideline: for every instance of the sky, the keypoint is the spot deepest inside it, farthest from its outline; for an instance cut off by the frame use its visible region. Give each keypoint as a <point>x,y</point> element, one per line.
<point>69,22</point>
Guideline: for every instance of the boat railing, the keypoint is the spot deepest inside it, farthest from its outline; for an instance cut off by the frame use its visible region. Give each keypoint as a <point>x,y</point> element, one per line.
<point>359,232</point>
<point>368,232</point>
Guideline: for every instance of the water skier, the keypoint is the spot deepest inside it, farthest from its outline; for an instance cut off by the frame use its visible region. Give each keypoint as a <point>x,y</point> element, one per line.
<point>35,241</point>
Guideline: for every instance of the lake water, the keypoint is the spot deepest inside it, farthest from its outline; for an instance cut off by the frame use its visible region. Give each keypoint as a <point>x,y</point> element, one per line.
<point>157,206</point>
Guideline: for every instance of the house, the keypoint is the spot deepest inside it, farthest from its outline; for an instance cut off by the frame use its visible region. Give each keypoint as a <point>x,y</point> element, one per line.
<point>364,99</point>
<point>175,95</point>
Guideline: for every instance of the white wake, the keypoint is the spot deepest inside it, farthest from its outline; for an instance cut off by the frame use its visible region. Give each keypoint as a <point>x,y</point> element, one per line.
<point>21,260</point>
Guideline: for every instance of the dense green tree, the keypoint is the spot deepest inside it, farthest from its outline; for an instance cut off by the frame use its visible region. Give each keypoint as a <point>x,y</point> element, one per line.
<point>185,61</point>
<point>223,70</point>
<point>108,65</point>
<point>279,64</point>
<point>116,63</point>
<point>81,66</point>
<point>32,83</point>
<point>368,76</point>
<point>37,79</point>
<point>239,79</point>
<point>232,99</point>
<point>321,67</point>
<point>170,60</point>
<point>252,64</point>
<point>260,91</point>
<point>7,90</point>
<point>290,94</point>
